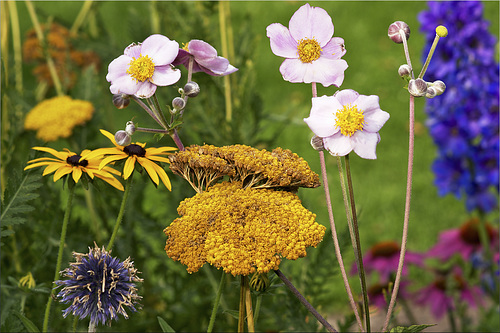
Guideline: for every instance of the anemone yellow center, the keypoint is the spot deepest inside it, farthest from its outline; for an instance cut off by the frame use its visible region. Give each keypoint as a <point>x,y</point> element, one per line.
<point>309,50</point>
<point>141,68</point>
<point>350,120</point>
<point>185,46</point>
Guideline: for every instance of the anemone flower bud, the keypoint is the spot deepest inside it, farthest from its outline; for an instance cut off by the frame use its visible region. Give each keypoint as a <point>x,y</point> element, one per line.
<point>130,128</point>
<point>394,29</point>
<point>431,92</point>
<point>417,87</point>
<point>404,70</point>
<point>121,101</point>
<point>439,86</point>
<point>192,89</point>
<point>317,143</point>
<point>122,138</point>
<point>178,103</point>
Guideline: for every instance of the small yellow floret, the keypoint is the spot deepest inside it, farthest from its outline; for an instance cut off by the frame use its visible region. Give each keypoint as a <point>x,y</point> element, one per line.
<point>441,31</point>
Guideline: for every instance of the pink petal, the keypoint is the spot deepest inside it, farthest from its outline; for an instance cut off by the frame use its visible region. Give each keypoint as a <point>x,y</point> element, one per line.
<point>337,144</point>
<point>160,49</point>
<point>325,71</point>
<point>165,76</point>
<point>124,84</point>
<point>293,70</point>
<point>282,43</point>
<point>311,22</point>
<point>118,67</point>
<point>146,89</point>
<point>374,120</point>
<point>201,49</point>
<point>322,119</point>
<point>346,96</point>
<point>368,103</point>
<point>334,49</point>
<point>364,144</point>
<point>133,50</point>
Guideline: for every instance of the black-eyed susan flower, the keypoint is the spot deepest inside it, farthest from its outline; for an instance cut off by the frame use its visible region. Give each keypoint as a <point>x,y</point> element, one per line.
<point>99,286</point>
<point>241,230</point>
<point>135,152</point>
<point>68,162</point>
<point>56,117</point>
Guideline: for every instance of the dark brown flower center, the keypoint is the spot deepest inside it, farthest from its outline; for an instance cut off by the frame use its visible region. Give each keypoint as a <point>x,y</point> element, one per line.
<point>458,281</point>
<point>75,161</point>
<point>385,249</point>
<point>469,232</point>
<point>134,149</point>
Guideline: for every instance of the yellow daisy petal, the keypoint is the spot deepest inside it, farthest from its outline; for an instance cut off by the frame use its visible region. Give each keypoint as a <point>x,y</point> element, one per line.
<point>47,159</point>
<point>158,158</point>
<point>77,174</point>
<point>110,136</point>
<point>63,170</point>
<point>112,181</point>
<point>59,154</point>
<point>149,168</point>
<point>128,167</point>
<point>163,175</point>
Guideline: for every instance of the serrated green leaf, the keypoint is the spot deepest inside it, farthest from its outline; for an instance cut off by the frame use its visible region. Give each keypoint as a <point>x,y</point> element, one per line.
<point>164,326</point>
<point>412,328</point>
<point>28,324</point>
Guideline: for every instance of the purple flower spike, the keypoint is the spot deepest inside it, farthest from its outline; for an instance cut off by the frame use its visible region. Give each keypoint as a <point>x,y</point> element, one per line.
<point>312,55</point>
<point>205,59</point>
<point>347,121</point>
<point>144,66</point>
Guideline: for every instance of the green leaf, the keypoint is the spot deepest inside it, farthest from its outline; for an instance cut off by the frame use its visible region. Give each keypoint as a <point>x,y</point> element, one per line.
<point>28,324</point>
<point>412,328</point>
<point>164,326</point>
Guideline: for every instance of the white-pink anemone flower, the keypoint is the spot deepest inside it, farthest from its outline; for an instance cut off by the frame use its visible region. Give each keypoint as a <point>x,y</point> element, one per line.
<point>144,66</point>
<point>312,55</point>
<point>347,121</point>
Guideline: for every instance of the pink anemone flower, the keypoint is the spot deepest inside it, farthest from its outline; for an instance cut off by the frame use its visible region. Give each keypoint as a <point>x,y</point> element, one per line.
<point>312,53</point>
<point>347,121</point>
<point>205,59</point>
<point>144,66</point>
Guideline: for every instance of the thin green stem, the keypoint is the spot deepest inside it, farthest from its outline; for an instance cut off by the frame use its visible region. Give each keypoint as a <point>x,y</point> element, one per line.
<point>120,213</point>
<point>16,42</point>
<point>361,269</point>
<point>258,304</point>
<point>429,57</point>
<point>223,13</point>
<point>216,303</point>
<point>64,229</point>
<point>241,314</point>
<point>248,304</point>
<point>87,4</point>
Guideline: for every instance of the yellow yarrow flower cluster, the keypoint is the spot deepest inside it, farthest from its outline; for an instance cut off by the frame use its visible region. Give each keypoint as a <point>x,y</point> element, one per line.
<point>241,230</point>
<point>56,117</point>
<point>203,165</point>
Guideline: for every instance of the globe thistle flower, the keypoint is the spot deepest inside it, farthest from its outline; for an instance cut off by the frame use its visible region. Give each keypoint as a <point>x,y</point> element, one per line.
<point>67,162</point>
<point>383,258</point>
<point>99,286</point>
<point>262,227</point>
<point>312,54</point>
<point>132,153</point>
<point>144,66</point>
<point>464,122</point>
<point>205,59</point>
<point>463,241</point>
<point>347,121</point>
<point>56,117</point>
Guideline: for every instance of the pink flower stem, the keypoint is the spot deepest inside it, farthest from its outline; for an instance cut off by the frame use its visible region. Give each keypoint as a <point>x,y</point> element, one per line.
<point>407,214</point>
<point>148,110</point>
<point>177,140</point>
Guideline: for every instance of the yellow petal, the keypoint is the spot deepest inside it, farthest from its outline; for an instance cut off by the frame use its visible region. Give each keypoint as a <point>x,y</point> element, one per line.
<point>149,168</point>
<point>112,181</point>
<point>110,136</point>
<point>51,168</point>
<point>128,167</point>
<point>163,175</point>
<point>63,170</point>
<point>159,159</point>
<point>77,173</point>
<point>112,158</point>
<point>59,154</point>
<point>44,159</point>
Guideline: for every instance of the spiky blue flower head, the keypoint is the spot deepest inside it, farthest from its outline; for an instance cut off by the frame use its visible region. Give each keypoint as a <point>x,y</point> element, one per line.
<point>99,286</point>
<point>464,122</point>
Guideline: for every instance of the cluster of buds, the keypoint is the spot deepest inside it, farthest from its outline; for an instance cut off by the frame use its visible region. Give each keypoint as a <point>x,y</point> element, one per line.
<point>124,137</point>
<point>419,88</point>
<point>191,89</point>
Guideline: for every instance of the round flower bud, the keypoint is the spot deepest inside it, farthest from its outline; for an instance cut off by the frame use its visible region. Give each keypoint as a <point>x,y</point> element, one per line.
<point>431,92</point>
<point>441,31</point>
<point>122,138</point>
<point>439,86</point>
<point>130,128</point>
<point>317,143</point>
<point>394,31</point>
<point>121,101</point>
<point>259,282</point>
<point>191,89</point>
<point>404,70</point>
<point>417,87</point>
<point>178,103</point>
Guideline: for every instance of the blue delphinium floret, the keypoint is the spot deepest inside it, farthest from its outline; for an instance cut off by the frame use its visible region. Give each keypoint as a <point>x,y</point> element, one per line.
<point>99,286</point>
<point>464,121</point>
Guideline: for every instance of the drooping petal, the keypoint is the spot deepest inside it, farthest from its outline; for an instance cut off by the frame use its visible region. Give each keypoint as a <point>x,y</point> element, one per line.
<point>365,144</point>
<point>145,89</point>
<point>147,164</point>
<point>346,97</point>
<point>325,71</point>
<point>311,22</point>
<point>163,176</point>
<point>61,171</point>
<point>128,167</point>
<point>112,181</point>
<point>337,144</point>
<point>160,49</point>
<point>77,173</point>
<point>165,76</point>
<point>282,43</point>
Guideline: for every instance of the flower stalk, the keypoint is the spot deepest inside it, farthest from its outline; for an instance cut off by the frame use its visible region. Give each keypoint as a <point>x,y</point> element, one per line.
<point>120,213</point>
<point>216,303</point>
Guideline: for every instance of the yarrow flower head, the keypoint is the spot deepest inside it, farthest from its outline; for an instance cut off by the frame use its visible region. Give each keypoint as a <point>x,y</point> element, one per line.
<point>347,121</point>
<point>67,162</point>
<point>135,152</point>
<point>99,286</point>
<point>312,55</point>
<point>262,227</point>
<point>464,122</point>
<point>56,117</point>
<point>205,59</point>
<point>144,66</point>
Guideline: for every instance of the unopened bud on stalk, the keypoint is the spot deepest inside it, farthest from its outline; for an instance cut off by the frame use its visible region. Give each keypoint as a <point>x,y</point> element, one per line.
<point>191,89</point>
<point>317,143</point>
<point>178,103</point>
<point>121,101</point>
<point>394,31</point>
<point>439,86</point>
<point>122,138</point>
<point>404,71</point>
<point>417,87</point>
<point>431,92</point>
<point>130,128</point>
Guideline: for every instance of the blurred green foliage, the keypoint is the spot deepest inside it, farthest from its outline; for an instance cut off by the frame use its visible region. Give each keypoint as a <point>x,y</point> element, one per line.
<point>267,112</point>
